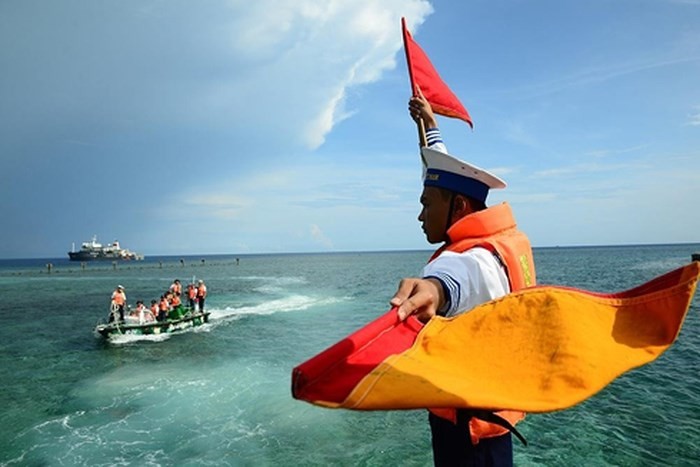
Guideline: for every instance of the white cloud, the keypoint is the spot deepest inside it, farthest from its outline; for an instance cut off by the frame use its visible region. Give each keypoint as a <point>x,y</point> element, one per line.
<point>299,207</point>
<point>318,236</point>
<point>516,132</point>
<point>605,153</point>
<point>218,205</point>
<point>694,118</point>
<point>273,66</point>
<point>601,72</point>
<point>307,58</point>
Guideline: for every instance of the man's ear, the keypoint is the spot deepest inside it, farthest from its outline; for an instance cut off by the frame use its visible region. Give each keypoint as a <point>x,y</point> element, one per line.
<point>461,207</point>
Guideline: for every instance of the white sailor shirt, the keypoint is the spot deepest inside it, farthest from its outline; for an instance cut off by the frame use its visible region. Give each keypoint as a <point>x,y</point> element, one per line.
<point>469,279</point>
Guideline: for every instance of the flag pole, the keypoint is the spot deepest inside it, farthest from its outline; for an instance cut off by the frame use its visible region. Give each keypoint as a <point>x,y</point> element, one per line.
<point>422,139</point>
<point>420,124</point>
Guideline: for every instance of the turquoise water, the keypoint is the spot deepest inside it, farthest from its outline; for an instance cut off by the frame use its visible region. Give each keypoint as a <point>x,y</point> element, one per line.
<point>220,394</point>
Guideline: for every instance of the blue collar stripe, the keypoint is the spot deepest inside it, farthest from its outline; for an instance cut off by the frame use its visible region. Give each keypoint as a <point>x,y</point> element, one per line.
<point>457,183</point>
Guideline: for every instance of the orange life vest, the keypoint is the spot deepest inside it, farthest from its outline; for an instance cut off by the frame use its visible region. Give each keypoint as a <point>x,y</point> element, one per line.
<point>191,292</point>
<point>176,288</point>
<point>175,301</point>
<point>202,291</point>
<point>118,298</point>
<point>494,229</point>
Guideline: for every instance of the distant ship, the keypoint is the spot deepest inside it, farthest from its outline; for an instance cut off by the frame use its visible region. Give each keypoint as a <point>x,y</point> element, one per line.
<point>93,251</point>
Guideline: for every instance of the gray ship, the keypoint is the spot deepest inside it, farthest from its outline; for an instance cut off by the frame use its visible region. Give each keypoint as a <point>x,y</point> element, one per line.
<point>93,251</point>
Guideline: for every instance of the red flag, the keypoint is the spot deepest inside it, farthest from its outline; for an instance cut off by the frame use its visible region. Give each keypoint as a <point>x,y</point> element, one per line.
<point>422,74</point>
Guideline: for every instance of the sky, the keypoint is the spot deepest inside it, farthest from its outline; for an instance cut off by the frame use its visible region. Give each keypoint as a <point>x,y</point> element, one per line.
<point>238,127</point>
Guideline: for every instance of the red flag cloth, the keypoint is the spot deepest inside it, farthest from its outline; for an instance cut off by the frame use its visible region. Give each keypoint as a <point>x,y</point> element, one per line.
<point>540,349</point>
<point>357,354</point>
<point>422,73</point>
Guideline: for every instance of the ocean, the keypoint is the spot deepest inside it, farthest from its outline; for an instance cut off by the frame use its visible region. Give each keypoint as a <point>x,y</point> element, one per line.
<point>220,394</point>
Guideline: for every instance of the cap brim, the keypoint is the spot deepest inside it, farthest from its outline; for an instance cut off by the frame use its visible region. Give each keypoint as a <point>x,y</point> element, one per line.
<point>437,160</point>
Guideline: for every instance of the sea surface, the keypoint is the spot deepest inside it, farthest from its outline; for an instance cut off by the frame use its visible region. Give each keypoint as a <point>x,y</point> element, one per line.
<point>220,394</point>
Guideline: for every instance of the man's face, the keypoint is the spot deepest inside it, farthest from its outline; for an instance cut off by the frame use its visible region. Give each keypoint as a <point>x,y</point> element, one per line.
<point>433,215</point>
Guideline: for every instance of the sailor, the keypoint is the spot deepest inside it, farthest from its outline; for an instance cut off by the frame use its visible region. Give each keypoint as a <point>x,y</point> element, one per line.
<point>201,294</point>
<point>118,304</point>
<point>483,256</point>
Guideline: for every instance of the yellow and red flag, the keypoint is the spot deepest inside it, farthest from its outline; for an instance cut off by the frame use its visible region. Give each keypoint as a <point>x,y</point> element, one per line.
<point>423,74</point>
<point>542,349</point>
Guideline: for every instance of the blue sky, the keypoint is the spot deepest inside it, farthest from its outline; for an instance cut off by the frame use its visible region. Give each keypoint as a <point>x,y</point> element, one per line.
<point>272,126</point>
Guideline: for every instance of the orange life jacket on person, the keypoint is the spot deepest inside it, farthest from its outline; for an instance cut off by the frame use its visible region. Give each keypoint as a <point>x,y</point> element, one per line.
<point>202,291</point>
<point>495,230</point>
<point>175,301</point>
<point>163,305</point>
<point>154,309</point>
<point>191,292</point>
<point>118,298</point>
<point>176,288</point>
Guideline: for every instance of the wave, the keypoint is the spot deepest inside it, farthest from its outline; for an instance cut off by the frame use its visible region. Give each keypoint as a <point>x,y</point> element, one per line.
<point>279,280</point>
<point>281,305</point>
<point>660,266</point>
<point>125,339</point>
<point>220,315</point>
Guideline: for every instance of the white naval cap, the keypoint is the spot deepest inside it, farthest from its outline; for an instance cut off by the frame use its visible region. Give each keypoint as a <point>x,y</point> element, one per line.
<point>444,171</point>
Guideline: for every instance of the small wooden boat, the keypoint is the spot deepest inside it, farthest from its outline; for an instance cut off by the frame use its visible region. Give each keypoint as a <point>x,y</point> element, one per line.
<point>175,322</point>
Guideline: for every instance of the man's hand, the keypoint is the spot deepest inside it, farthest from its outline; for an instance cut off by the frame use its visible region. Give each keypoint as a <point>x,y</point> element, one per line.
<point>419,297</point>
<point>420,109</point>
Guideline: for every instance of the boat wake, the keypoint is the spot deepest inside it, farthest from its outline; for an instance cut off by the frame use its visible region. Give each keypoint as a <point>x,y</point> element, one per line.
<point>124,339</point>
<point>223,315</point>
<point>282,305</point>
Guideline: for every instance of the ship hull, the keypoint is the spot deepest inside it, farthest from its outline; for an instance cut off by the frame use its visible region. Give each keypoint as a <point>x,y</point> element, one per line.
<point>98,256</point>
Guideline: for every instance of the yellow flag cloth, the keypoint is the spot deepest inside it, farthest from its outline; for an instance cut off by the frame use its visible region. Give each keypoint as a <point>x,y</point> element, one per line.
<point>538,350</point>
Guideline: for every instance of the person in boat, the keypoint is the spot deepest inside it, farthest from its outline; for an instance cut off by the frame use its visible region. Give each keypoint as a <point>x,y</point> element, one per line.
<point>201,294</point>
<point>154,308</point>
<point>175,305</point>
<point>192,296</point>
<point>142,313</point>
<point>163,307</point>
<point>175,287</point>
<point>118,304</point>
<point>476,263</point>
<point>134,312</point>
<point>176,301</point>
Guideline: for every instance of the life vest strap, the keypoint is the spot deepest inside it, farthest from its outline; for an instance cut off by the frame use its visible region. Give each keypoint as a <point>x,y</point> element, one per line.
<point>464,415</point>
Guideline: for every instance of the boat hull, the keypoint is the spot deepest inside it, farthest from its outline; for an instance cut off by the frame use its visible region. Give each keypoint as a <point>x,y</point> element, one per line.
<point>155,327</point>
<point>100,256</point>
